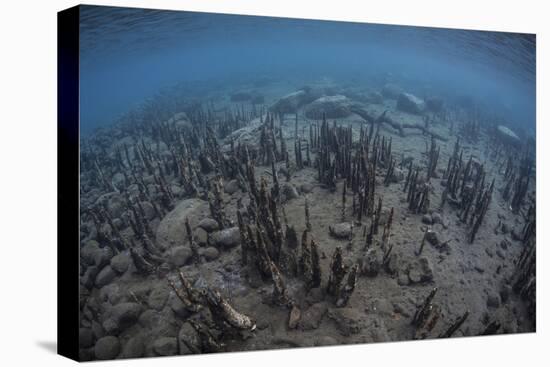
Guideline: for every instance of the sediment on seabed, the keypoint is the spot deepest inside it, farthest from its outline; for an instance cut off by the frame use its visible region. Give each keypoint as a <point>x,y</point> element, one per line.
<point>262,217</point>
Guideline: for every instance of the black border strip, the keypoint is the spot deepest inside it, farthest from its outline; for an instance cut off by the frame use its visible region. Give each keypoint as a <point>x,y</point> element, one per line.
<point>68,191</point>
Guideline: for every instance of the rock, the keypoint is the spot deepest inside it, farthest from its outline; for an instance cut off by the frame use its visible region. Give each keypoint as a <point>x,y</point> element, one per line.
<point>306,188</point>
<point>504,228</point>
<point>312,317</point>
<point>226,238</point>
<point>434,104</point>
<point>157,298</point>
<point>200,236</point>
<point>294,317</point>
<point>107,347</point>
<point>432,238</point>
<point>340,230</point>
<point>516,235</point>
<point>180,255</point>
<point>346,320</point>
<point>208,224</point>
<point>231,187</point>
<point>330,106</point>
<point>134,347</point>
<point>391,91</point>
<point>371,263</point>
<point>110,293</point>
<point>148,210</point>
<point>188,339</point>
<point>403,279</point>
<point>115,206</point>
<point>410,103</point>
<point>507,136</point>
<point>420,271</point>
<point>504,244</point>
<point>427,219</point>
<point>125,314</point>
<point>293,101</point>
<point>288,192</point>
<point>85,337</point>
<point>171,230</point>
<point>105,276</point>
<point>375,97</point>
<point>493,300</point>
<point>118,180</point>
<point>210,253</point>
<point>87,252</point>
<point>121,262</point>
<point>166,346</point>
<point>88,279</point>
<point>110,326</point>
<point>325,341</point>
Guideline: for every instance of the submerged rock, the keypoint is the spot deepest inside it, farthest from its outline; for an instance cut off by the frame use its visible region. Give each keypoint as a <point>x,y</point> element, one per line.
<point>171,230</point>
<point>391,91</point>
<point>293,101</point>
<point>226,238</point>
<point>208,224</point>
<point>410,103</point>
<point>107,347</point>
<point>420,271</point>
<point>340,230</point>
<point>331,106</point>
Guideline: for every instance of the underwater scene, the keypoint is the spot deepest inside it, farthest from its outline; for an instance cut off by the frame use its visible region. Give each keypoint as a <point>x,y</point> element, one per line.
<point>253,183</point>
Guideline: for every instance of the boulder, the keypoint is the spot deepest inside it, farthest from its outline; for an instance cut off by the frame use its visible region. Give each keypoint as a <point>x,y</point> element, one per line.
<point>420,271</point>
<point>171,230</point>
<point>226,238</point>
<point>125,314</point>
<point>107,347</point>
<point>208,224</point>
<point>340,230</point>
<point>293,101</point>
<point>410,103</point>
<point>371,263</point>
<point>231,187</point>
<point>210,253</point>
<point>312,317</point>
<point>288,192</point>
<point>134,347</point>
<point>120,262</point>
<point>157,298</point>
<point>105,276</point>
<point>189,340</point>
<point>391,91</point>
<point>180,255</point>
<point>166,346</point>
<point>332,107</point>
<point>200,236</point>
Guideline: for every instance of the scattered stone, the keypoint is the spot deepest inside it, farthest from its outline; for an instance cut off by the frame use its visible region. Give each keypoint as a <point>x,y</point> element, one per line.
<point>504,228</point>
<point>420,271</point>
<point>105,276</point>
<point>231,187</point>
<point>125,314</point>
<point>312,317</point>
<point>208,224</point>
<point>226,238</point>
<point>88,279</point>
<point>427,219</point>
<point>166,346</point>
<point>120,262</point>
<point>403,279</point>
<point>134,347</point>
<point>294,317</point>
<point>436,218</point>
<point>171,230</point>
<point>410,103</point>
<point>107,347</point>
<point>306,188</point>
<point>391,91</point>
<point>210,253</point>
<point>87,252</point>
<point>340,230</point>
<point>200,236</point>
<point>500,254</point>
<point>180,255</point>
<point>331,107</point>
<point>157,298</point>
<point>504,244</point>
<point>371,263</point>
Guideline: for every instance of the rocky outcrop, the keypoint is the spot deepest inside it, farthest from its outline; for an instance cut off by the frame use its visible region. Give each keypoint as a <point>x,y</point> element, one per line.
<point>330,106</point>
<point>410,103</point>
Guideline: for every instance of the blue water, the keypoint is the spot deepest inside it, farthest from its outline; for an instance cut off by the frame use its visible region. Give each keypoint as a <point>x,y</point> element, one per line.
<point>129,55</point>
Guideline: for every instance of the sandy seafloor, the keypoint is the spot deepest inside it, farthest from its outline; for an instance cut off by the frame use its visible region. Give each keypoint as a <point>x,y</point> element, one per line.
<point>472,277</point>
